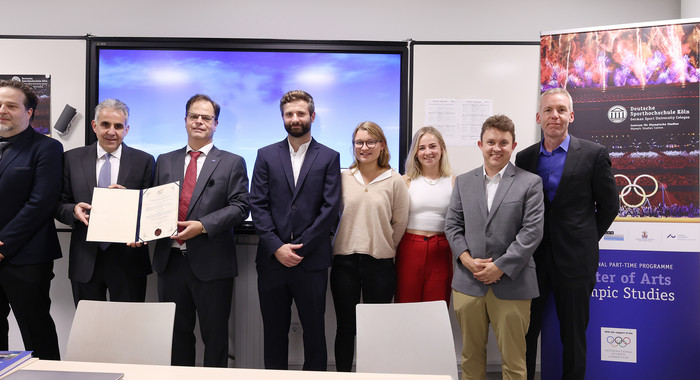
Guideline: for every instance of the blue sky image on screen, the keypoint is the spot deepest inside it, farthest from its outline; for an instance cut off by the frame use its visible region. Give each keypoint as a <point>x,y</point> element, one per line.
<point>348,88</point>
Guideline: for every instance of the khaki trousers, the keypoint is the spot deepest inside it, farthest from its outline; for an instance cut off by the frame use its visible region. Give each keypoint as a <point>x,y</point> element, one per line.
<point>508,318</point>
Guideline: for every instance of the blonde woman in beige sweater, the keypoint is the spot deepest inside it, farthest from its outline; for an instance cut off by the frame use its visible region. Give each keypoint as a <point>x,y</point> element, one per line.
<point>374,218</point>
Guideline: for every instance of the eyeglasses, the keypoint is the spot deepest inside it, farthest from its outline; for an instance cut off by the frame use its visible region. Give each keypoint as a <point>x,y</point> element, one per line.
<point>370,143</point>
<point>195,116</point>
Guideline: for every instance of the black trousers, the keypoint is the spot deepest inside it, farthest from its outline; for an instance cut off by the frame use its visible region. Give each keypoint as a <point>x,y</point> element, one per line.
<point>572,301</point>
<point>25,290</point>
<point>208,300</point>
<point>109,274</point>
<point>276,290</point>
<point>353,276</point>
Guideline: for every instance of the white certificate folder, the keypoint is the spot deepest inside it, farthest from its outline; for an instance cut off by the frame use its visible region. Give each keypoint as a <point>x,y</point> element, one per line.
<point>127,215</point>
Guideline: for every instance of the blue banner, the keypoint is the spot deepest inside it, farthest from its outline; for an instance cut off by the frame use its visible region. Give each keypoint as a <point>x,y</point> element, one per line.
<point>636,91</point>
<point>653,299</point>
<point>645,318</point>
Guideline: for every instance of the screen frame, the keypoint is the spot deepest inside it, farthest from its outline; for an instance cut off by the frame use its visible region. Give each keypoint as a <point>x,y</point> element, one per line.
<point>96,44</point>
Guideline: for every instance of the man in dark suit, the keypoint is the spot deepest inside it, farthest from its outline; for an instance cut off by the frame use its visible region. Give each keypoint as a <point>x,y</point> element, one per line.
<point>197,266</point>
<point>581,202</point>
<point>30,186</point>
<point>295,195</point>
<point>494,224</point>
<point>95,267</point>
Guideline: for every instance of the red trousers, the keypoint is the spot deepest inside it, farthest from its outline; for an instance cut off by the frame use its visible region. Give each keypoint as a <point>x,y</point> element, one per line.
<point>423,269</point>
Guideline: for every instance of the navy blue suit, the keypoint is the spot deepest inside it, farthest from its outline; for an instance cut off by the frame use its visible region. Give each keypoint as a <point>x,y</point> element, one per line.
<point>30,186</point>
<point>124,269</point>
<point>305,213</point>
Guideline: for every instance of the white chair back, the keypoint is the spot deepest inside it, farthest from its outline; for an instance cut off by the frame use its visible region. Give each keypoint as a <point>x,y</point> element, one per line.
<point>405,338</point>
<point>122,332</point>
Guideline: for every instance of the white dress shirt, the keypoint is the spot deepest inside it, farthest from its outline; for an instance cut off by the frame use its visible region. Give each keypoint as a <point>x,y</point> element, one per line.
<point>492,186</point>
<point>297,158</point>
<point>113,162</point>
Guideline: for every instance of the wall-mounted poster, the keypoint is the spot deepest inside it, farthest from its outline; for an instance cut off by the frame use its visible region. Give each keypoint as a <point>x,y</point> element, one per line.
<point>635,90</point>
<point>42,88</point>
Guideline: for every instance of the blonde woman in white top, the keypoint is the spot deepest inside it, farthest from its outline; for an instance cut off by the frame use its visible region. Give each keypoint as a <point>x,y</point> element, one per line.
<point>423,258</point>
<point>374,217</point>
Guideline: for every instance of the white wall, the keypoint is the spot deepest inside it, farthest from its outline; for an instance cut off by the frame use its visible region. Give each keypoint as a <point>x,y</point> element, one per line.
<point>690,9</point>
<point>36,56</point>
<point>394,20</point>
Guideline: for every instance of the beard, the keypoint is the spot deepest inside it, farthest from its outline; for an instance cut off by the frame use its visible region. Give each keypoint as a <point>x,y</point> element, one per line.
<point>297,132</point>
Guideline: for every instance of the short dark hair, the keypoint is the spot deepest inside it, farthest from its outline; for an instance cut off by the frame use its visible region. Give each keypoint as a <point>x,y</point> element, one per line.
<point>295,95</point>
<point>205,98</point>
<point>500,122</point>
<point>30,98</point>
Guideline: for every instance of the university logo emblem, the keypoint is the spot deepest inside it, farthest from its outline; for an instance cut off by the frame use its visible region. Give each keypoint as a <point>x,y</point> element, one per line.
<point>617,114</point>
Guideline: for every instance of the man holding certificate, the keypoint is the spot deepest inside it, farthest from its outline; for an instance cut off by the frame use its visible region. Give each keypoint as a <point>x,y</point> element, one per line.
<point>197,266</point>
<point>96,267</point>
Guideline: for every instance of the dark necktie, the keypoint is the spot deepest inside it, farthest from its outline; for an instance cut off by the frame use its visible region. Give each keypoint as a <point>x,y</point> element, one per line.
<point>104,180</point>
<point>3,144</point>
<point>187,189</point>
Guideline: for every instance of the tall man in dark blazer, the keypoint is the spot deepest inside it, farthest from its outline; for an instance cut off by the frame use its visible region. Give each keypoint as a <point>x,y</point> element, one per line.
<point>494,223</point>
<point>95,267</point>
<point>581,202</point>
<point>295,195</point>
<point>197,266</point>
<point>30,185</point>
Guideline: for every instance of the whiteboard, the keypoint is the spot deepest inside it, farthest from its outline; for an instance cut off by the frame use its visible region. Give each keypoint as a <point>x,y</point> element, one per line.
<point>65,61</point>
<point>507,74</point>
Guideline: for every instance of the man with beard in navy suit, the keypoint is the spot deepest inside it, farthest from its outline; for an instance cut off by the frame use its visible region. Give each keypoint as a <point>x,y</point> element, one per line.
<point>295,196</point>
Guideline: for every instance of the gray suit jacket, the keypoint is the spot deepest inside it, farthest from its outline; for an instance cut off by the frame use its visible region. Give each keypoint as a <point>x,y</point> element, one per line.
<point>509,233</point>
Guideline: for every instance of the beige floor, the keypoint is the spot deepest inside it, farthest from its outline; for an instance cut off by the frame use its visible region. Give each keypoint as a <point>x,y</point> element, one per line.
<point>497,376</point>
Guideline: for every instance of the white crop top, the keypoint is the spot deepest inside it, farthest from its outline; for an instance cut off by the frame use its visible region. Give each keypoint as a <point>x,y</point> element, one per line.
<point>428,203</point>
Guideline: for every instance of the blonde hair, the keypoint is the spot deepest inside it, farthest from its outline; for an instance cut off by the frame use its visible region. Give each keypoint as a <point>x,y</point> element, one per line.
<point>413,166</point>
<point>375,131</point>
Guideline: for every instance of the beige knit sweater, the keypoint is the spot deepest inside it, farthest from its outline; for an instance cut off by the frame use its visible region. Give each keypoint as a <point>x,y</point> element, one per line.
<point>374,216</point>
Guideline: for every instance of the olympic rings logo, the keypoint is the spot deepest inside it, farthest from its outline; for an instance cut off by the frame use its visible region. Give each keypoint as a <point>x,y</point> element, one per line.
<point>638,189</point>
<point>618,341</point>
